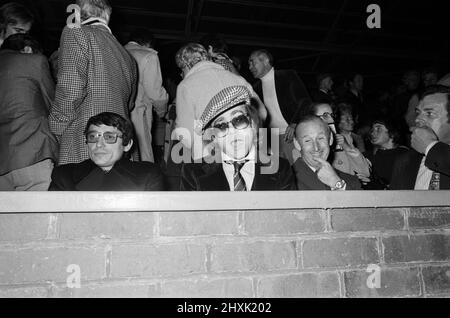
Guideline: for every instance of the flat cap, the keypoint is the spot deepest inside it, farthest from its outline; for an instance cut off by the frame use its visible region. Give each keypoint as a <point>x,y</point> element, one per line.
<point>224,100</point>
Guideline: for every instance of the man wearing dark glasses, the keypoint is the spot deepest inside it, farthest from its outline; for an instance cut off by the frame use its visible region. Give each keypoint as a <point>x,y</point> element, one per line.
<point>109,138</point>
<point>236,162</point>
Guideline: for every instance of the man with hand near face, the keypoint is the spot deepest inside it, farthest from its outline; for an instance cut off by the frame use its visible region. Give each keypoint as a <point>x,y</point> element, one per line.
<point>428,166</point>
<point>109,137</point>
<point>313,171</point>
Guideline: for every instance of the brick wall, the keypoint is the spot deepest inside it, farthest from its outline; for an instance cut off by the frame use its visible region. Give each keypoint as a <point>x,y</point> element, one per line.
<point>289,253</point>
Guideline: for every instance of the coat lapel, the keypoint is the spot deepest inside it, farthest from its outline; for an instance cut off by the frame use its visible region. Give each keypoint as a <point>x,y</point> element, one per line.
<point>214,178</point>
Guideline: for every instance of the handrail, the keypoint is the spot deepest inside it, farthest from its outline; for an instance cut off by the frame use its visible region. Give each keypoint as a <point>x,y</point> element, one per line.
<point>57,202</point>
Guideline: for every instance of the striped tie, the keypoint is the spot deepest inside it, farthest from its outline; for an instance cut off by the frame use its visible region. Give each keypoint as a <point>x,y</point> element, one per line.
<point>435,181</point>
<point>239,183</point>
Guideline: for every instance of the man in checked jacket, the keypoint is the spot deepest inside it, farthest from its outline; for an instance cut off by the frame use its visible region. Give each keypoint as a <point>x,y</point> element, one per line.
<point>96,74</point>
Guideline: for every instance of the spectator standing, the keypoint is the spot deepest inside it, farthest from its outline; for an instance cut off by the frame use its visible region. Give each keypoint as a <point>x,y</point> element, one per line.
<point>151,94</point>
<point>96,74</point>
<point>28,149</point>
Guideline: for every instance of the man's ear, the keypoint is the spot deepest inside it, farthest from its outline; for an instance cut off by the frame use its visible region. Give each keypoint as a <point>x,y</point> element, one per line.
<point>27,49</point>
<point>128,147</point>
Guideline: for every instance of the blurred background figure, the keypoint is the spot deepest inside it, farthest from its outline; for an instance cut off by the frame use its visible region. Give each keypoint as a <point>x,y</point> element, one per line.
<point>28,150</point>
<point>151,95</point>
<point>218,51</point>
<point>14,18</point>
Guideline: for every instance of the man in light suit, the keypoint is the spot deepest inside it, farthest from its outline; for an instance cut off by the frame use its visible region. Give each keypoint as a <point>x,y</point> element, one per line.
<point>427,167</point>
<point>28,149</point>
<point>284,95</point>
<point>150,94</point>
<point>96,74</point>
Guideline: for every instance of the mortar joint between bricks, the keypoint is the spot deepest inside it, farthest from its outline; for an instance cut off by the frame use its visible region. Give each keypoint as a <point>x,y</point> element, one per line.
<point>380,248</point>
<point>328,226</point>
<point>406,215</point>
<point>422,286</point>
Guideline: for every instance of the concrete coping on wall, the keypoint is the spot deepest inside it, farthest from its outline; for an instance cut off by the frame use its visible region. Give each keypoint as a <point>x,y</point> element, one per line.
<point>57,202</point>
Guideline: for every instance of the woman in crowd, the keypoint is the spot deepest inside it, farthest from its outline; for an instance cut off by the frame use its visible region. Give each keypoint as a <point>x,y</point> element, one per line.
<point>385,138</point>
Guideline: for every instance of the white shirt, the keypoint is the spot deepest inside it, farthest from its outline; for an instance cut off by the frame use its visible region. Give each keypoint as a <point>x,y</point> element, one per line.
<point>271,101</point>
<point>247,171</point>
<point>424,174</point>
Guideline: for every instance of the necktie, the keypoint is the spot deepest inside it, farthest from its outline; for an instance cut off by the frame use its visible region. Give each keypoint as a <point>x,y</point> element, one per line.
<point>434,182</point>
<point>239,183</point>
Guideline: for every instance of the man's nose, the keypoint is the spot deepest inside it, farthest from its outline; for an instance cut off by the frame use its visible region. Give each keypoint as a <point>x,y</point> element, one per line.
<point>316,146</point>
<point>100,142</point>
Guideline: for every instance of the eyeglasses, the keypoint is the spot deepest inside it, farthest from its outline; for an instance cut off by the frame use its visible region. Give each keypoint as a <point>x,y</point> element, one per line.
<point>109,137</point>
<point>327,115</point>
<point>238,122</point>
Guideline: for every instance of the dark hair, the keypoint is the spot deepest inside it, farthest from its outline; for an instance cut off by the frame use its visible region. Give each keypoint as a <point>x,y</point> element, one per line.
<point>142,36</point>
<point>320,77</point>
<point>264,52</point>
<point>429,70</point>
<point>216,41</point>
<point>438,89</point>
<point>19,41</point>
<point>342,108</point>
<point>113,120</point>
<point>14,13</point>
<point>392,128</point>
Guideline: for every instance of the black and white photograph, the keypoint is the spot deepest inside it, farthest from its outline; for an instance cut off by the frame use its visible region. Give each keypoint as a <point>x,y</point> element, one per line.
<point>126,126</point>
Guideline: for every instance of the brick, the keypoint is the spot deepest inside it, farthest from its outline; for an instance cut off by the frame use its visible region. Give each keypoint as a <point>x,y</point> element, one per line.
<point>23,227</point>
<point>437,279</point>
<point>284,222</point>
<point>430,247</point>
<point>107,225</point>
<point>366,219</point>
<point>24,292</point>
<point>339,252</point>
<point>198,223</point>
<point>429,218</point>
<point>207,288</point>
<point>394,282</point>
<point>107,290</point>
<point>50,264</point>
<point>253,257</point>
<point>157,260</point>
<point>302,285</point>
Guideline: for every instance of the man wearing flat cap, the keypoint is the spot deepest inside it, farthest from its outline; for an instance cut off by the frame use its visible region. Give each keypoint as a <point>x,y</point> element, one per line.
<point>235,163</point>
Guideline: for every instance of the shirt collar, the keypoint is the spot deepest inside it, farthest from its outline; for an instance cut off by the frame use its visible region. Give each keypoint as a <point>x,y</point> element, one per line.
<point>251,156</point>
<point>269,76</point>
<point>96,21</point>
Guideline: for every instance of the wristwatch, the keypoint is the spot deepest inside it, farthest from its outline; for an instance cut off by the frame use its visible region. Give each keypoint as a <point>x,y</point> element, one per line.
<point>340,185</point>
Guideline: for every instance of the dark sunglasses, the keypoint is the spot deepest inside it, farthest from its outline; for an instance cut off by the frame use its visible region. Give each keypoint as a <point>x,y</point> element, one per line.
<point>238,122</point>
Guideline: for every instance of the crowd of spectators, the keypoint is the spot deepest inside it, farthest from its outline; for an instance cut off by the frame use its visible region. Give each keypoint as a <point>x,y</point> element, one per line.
<point>85,118</point>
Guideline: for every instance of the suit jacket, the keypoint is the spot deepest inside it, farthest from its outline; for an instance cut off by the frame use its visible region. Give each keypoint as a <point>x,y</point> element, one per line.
<point>211,177</point>
<point>292,95</point>
<point>125,175</point>
<point>96,74</point>
<point>26,93</point>
<point>308,180</point>
<point>438,158</point>
<point>407,166</point>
